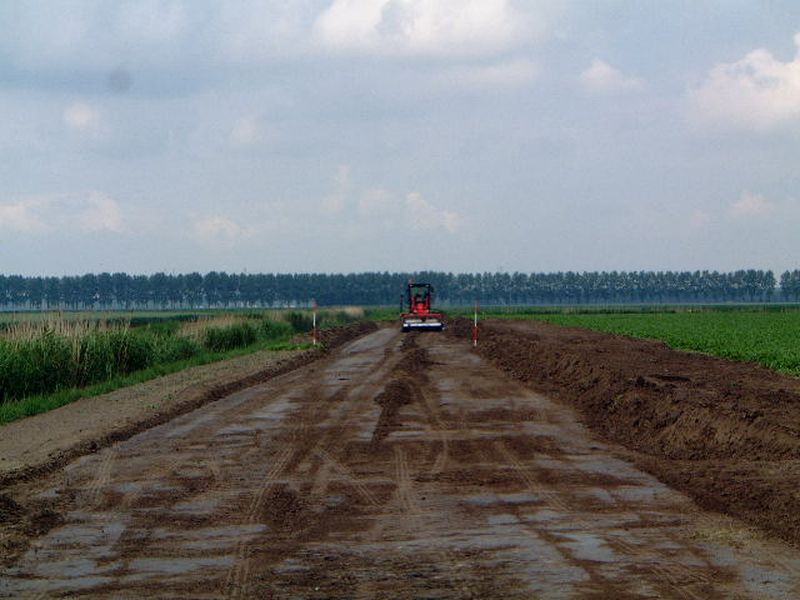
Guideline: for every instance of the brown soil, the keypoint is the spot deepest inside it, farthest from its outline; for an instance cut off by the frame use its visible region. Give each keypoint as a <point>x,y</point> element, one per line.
<point>727,433</point>
<point>396,466</point>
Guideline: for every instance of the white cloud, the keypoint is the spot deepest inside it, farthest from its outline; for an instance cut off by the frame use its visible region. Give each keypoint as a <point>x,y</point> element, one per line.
<point>423,26</point>
<point>602,78</point>
<point>19,217</point>
<point>376,207</point>
<point>247,131</point>
<point>80,116</point>
<point>425,215</point>
<point>507,74</point>
<point>90,212</point>
<point>217,229</point>
<point>758,92</point>
<point>102,213</point>
<point>751,205</point>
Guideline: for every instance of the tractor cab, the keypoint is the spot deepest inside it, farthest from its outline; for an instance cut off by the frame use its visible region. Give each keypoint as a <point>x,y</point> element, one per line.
<point>420,298</point>
<point>419,316</point>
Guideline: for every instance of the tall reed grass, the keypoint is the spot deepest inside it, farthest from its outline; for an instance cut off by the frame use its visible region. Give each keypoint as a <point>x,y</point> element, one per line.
<point>41,357</point>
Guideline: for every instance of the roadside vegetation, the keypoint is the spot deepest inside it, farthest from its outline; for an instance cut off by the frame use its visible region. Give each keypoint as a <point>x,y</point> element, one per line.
<point>49,360</point>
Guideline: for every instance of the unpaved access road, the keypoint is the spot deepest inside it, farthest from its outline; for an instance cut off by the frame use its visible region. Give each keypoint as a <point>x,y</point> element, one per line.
<point>395,467</point>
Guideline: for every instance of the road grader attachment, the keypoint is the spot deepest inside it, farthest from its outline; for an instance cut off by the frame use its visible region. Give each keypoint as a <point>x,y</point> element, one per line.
<point>420,317</point>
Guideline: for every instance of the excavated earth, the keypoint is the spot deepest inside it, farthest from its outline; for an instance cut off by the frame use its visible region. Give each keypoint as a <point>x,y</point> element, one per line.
<point>725,432</point>
<point>411,466</point>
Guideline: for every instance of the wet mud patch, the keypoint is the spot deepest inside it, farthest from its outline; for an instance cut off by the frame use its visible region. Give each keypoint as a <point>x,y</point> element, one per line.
<point>21,523</point>
<point>707,426</point>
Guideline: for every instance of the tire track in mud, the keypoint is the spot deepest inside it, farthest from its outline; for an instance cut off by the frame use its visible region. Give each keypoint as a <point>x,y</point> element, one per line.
<point>405,490</point>
<point>349,476</point>
<point>306,437</point>
<point>674,574</point>
<point>94,492</point>
<point>413,370</point>
<point>237,580</point>
<point>410,385</point>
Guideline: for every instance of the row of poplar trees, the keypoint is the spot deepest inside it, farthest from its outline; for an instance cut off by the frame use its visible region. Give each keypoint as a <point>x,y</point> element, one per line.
<point>220,289</point>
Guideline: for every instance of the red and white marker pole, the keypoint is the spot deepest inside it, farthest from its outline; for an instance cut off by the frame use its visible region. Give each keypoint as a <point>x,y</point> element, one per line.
<point>475,327</point>
<point>314,333</point>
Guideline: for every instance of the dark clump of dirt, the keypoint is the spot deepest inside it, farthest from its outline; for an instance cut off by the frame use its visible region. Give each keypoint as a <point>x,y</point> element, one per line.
<point>44,520</point>
<point>10,511</point>
<point>285,509</point>
<point>415,361</point>
<point>396,393</point>
<point>338,336</point>
<point>22,523</point>
<point>407,377</point>
<point>727,433</point>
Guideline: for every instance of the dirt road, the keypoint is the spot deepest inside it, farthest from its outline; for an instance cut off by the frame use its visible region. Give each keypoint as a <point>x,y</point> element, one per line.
<point>396,467</point>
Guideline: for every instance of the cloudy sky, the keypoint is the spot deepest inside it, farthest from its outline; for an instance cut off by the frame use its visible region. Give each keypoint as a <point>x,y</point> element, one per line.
<point>363,135</point>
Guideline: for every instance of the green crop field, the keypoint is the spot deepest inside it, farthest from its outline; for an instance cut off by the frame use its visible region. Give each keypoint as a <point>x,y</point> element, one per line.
<point>770,338</point>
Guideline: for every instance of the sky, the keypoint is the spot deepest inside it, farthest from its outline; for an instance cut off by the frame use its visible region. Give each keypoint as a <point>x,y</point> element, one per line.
<point>399,135</point>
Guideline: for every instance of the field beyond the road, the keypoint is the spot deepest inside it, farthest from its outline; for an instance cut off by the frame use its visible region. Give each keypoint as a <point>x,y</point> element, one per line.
<point>766,337</point>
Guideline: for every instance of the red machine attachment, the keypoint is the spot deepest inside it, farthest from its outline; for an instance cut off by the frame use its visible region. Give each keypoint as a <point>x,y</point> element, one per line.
<point>419,316</point>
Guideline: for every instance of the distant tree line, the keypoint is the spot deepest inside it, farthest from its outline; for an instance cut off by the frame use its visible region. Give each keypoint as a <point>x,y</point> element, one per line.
<point>220,289</point>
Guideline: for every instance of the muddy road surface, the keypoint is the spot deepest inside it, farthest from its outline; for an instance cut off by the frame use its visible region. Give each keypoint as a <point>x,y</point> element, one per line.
<point>396,467</point>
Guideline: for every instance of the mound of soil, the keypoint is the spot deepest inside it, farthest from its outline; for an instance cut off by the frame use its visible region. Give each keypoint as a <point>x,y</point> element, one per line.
<point>727,433</point>
<point>9,509</point>
<point>403,387</point>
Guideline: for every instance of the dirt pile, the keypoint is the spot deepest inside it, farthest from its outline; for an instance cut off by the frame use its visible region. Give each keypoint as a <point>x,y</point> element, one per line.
<point>9,509</point>
<point>337,336</point>
<point>403,388</point>
<point>728,433</point>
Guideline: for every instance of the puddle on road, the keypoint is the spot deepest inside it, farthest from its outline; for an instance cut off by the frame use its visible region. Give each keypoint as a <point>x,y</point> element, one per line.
<point>229,532</point>
<point>94,532</point>
<point>492,499</point>
<point>502,519</point>
<point>38,589</point>
<point>199,506</point>
<point>587,546</point>
<point>234,430</point>
<point>144,567</point>
<point>291,565</point>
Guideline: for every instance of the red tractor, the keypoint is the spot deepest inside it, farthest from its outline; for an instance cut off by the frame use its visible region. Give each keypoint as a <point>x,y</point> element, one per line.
<point>419,316</point>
